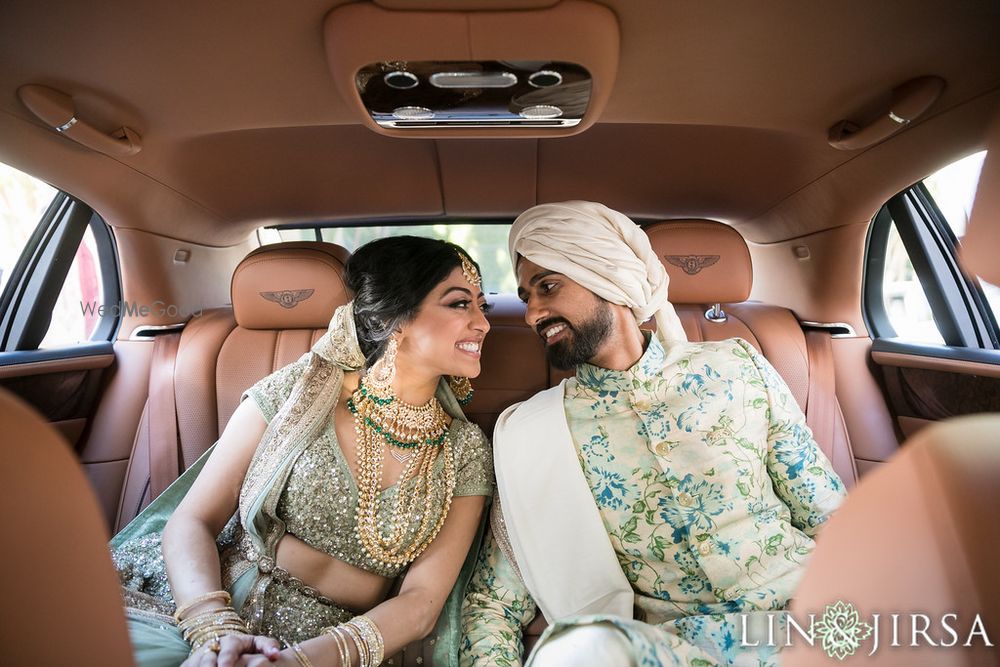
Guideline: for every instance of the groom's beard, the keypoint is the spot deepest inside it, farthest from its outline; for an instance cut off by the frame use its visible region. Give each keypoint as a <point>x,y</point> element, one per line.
<point>583,341</point>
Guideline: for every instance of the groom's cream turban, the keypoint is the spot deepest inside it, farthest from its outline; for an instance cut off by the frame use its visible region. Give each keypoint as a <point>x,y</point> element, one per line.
<point>602,250</point>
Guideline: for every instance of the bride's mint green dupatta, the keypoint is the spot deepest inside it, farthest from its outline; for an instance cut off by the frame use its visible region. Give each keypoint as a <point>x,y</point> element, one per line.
<point>297,423</point>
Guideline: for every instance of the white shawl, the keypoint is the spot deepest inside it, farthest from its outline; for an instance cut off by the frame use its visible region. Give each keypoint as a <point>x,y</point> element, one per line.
<point>556,533</point>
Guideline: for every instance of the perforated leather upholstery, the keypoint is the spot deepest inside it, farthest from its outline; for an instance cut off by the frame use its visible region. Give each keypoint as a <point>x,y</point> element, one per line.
<point>275,319</point>
<point>61,603</point>
<point>696,285</point>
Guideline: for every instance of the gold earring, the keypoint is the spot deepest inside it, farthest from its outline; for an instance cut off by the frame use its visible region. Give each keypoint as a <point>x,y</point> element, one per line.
<point>380,376</point>
<point>462,388</point>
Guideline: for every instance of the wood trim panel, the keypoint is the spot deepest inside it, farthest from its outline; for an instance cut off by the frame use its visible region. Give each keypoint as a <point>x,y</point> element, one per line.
<point>86,363</point>
<point>899,360</point>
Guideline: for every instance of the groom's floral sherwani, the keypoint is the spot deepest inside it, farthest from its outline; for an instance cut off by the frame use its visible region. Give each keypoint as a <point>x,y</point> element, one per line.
<point>711,489</point>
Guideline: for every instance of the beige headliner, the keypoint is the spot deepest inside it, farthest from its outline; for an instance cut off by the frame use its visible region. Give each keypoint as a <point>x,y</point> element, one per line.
<point>719,109</point>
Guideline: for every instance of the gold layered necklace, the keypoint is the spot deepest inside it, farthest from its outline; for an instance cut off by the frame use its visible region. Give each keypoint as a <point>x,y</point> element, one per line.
<point>381,419</point>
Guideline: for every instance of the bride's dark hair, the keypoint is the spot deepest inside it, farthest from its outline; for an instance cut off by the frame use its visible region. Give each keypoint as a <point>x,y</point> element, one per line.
<point>389,279</point>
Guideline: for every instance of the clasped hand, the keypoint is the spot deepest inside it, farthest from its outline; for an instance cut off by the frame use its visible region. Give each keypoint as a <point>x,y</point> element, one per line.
<point>240,651</point>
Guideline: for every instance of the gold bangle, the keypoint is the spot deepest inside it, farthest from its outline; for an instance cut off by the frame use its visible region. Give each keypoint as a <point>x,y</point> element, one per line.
<point>197,640</point>
<point>211,624</point>
<point>301,656</point>
<point>226,617</point>
<point>210,616</point>
<point>372,636</point>
<point>224,596</point>
<point>214,626</point>
<point>363,653</point>
<point>342,648</point>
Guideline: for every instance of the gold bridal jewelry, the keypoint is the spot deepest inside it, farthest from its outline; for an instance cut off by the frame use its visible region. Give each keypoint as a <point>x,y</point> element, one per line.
<point>365,635</point>
<point>381,375</point>
<point>381,419</point>
<point>469,271</point>
<point>462,388</point>
<point>208,627</point>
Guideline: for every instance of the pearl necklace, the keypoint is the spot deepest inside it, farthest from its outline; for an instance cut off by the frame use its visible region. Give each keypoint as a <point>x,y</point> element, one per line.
<point>381,420</point>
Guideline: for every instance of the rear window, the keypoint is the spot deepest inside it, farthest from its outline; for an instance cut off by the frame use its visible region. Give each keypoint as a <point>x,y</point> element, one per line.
<point>485,242</point>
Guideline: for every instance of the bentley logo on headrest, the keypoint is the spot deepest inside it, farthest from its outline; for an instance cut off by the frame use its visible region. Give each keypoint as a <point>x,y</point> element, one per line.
<point>692,264</point>
<point>288,298</point>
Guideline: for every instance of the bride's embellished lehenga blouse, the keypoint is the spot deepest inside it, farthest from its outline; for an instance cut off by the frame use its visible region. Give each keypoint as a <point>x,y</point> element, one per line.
<point>298,483</point>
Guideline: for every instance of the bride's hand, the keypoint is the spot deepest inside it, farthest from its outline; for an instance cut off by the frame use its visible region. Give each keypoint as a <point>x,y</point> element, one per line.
<point>285,659</point>
<point>232,648</point>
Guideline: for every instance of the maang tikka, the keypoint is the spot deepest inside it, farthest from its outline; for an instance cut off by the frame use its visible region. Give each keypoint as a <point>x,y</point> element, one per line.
<point>469,271</point>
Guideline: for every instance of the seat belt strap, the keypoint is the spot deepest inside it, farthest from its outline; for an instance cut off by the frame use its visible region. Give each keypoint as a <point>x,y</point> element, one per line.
<point>821,400</point>
<point>164,444</point>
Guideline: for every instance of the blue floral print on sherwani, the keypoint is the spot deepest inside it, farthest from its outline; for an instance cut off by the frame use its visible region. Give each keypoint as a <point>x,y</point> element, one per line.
<point>711,488</point>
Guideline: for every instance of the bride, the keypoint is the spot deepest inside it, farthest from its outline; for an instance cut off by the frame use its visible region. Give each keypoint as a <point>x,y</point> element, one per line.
<point>347,468</point>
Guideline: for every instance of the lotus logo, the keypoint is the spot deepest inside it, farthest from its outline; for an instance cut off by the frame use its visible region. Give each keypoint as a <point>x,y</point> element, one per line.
<point>288,298</point>
<point>841,630</point>
<point>692,264</point>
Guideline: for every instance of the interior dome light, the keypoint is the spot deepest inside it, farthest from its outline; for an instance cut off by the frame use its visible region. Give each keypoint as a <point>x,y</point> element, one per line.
<point>401,80</point>
<point>541,112</point>
<point>412,113</point>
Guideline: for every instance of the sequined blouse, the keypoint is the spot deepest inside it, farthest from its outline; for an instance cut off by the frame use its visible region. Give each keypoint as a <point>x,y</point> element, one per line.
<point>319,503</point>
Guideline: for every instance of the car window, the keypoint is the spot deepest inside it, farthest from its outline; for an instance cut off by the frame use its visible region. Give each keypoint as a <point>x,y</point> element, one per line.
<point>905,300</point>
<point>57,267</point>
<point>23,200</point>
<point>486,242</point>
<point>915,288</point>
<point>77,311</point>
<point>954,189</point>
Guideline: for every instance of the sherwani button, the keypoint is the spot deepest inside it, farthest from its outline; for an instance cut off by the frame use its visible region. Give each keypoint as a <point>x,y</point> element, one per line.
<point>705,548</point>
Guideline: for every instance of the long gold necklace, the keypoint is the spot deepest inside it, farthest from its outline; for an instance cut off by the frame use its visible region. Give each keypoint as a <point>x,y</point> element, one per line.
<point>381,419</point>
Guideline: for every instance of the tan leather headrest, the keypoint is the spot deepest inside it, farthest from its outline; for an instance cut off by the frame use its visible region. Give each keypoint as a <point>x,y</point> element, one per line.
<point>708,262</point>
<point>295,285</point>
<point>981,244</point>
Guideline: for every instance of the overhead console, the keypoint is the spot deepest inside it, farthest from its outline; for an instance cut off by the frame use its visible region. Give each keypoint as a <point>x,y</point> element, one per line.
<point>516,73</point>
<point>475,94</point>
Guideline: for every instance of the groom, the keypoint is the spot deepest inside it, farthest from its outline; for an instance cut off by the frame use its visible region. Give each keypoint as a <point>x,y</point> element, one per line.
<point>648,503</point>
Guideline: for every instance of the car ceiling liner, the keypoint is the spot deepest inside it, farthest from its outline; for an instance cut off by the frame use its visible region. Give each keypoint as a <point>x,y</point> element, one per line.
<point>532,69</point>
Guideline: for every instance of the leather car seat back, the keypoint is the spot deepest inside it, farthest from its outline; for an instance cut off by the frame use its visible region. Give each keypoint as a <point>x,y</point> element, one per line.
<point>61,602</point>
<point>709,263</point>
<point>283,296</point>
